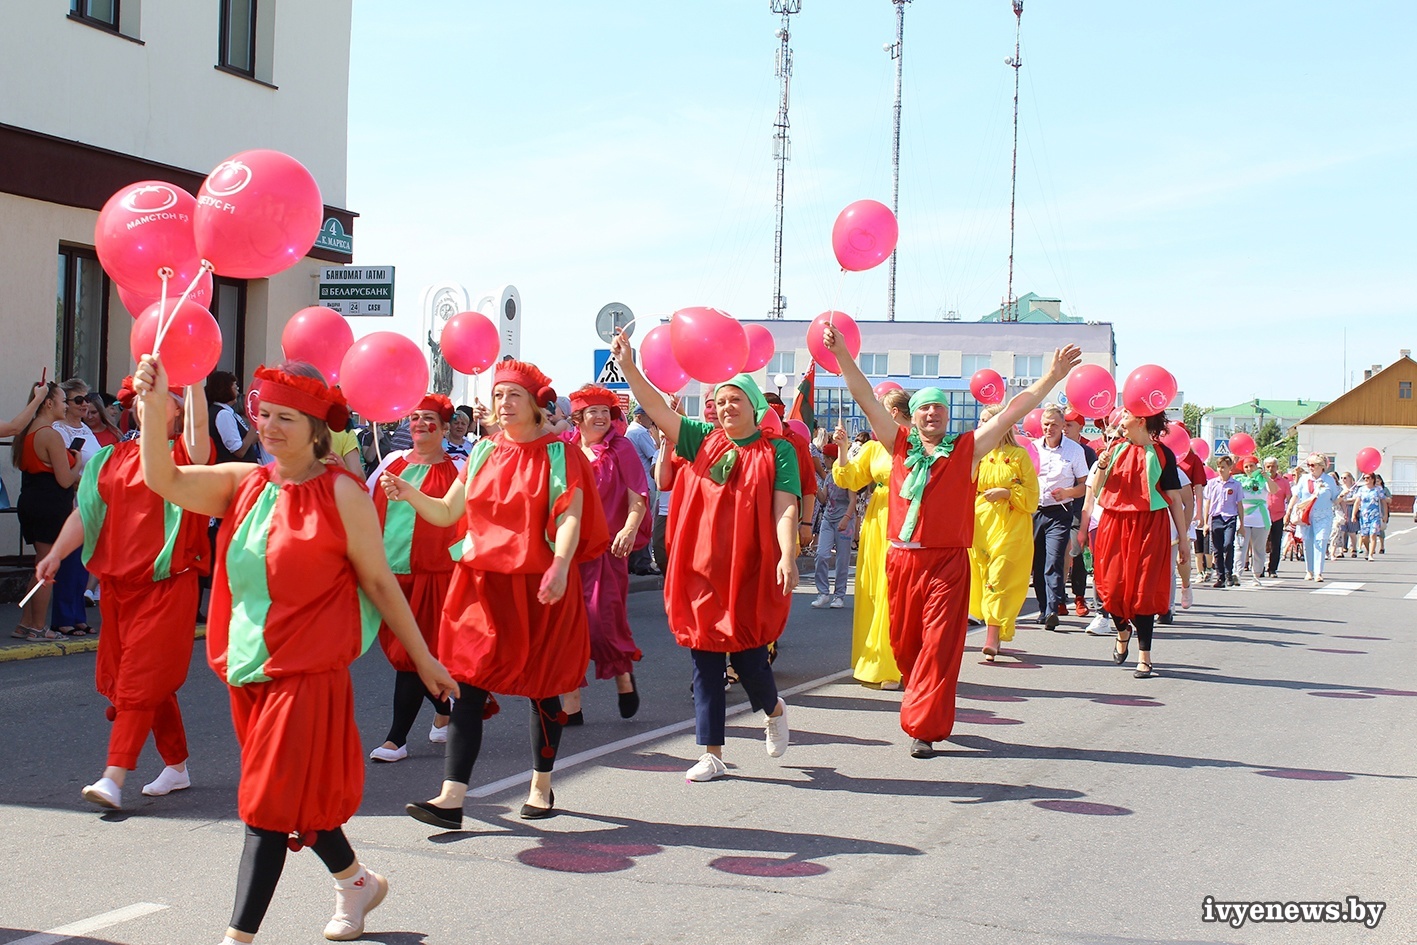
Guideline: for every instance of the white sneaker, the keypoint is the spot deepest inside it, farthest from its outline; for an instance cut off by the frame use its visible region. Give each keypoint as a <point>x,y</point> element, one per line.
<point>1255,580</point>
<point>168,781</point>
<point>822,601</point>
<point>355,898</point>
<point>837,603</point>
<point>438,735</point>
<point>91,596</point>
<point>105,793</point>
<point>706,768</point>
<point>891,685</point>
<point>389,755</point>
<point>777,733</point>
<point>1187,598</point>
<point>1101,625</point>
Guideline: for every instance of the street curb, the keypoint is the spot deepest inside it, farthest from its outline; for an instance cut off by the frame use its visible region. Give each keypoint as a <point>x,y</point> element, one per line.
<point>30,651</point>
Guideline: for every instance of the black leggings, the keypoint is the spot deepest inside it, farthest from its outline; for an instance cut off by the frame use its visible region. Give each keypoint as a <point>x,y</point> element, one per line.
<point>262,861</point>
<point>465,733</point>
<point>409,693</point>
<point>1143,624</point>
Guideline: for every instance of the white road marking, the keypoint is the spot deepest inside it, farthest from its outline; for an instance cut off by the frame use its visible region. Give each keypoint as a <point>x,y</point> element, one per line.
<point>84,926</point>
<point>582,757</point>
<point>1338,588</point>
<point>1403,532</point>
<point>1411,595</point>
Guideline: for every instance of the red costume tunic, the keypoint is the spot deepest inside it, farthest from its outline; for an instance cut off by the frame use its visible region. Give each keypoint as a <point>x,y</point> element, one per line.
<point>149,554</point>
<point>720,587</point>
<point>495,634</point>
<point>927,581</point>
<point>1131,553</point>
<point>418,552</point>
<point>286,621</point>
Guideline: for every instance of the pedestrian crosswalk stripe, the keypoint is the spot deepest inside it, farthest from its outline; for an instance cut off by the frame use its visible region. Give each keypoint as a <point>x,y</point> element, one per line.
<point>84,926</point>
<point>1411,595</point>
<point>1339,588</point>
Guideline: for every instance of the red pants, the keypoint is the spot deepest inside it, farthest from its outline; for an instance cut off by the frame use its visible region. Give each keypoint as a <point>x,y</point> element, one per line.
<point>928,590</point>
<point>605,582</point>
<point>143,656</point>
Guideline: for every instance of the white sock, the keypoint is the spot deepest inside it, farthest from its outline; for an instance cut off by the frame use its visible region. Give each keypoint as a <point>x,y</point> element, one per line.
<point>354,881</point>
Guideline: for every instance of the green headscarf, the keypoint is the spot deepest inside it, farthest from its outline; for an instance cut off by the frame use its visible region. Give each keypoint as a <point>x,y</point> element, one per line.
<point>929,395</point>
<point>749,387</point>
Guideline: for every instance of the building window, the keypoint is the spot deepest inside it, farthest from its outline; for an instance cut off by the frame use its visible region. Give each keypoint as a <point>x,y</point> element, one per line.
<point>81,309</point>
<point>102,13</point>
<point>783,362</point>
<point>1404,390</point>
<point>833,407</point>
<point>1028,367</point>
<point>873,364</point>
<point>692,406</point>
<point>229,308</point>
<point>924,365</point>
<point>971,364</point>
<point>238,36</point>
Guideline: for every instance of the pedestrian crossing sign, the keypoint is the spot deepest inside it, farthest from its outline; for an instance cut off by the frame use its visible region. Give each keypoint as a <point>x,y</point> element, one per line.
<point>607,372</point>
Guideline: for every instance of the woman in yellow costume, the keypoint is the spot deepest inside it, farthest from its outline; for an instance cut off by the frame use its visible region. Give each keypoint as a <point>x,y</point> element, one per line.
<point>869,464</point>
<point>1002,556</point>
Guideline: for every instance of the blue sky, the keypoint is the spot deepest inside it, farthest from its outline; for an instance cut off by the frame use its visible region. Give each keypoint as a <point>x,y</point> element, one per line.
<point>1229,184</point>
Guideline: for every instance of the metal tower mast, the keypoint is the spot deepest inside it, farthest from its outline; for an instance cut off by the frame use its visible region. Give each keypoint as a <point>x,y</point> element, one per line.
<point>895,49</point>
<point>781,145</point>
<point>1010,307</point>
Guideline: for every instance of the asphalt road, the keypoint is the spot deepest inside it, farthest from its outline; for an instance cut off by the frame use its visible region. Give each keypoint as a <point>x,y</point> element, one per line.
<point>1271,761</point>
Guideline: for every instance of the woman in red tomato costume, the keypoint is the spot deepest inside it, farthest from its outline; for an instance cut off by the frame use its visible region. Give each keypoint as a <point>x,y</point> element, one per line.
<point>732,552</point>
<point>931,528</point>
<point>299,563</point>
<point>149,555</point>
<point>1137,485</point>
<point>514,622</point>
<point>624,496</point>
<point>418,555</point>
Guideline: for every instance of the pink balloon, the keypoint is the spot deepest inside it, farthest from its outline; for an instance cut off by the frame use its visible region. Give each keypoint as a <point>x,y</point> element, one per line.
<point>771,423</point>
<point>384,376</point>
<point>761,347</point>
<point>1241,444</point>
<point>1148,390</point>
<point>1030,448</point>
<point>884,388</point>
<point>1177,438</point>
<point>710,345</point>
<point>657,361</point>
<point>1033,423</point>
<point>1201,448</point>
<point>1369,460</point>
<point>845,326</point>
<point>258,213</point>
<point>137,303</point>
<point>864,235</point>
<point>320,336</point>
<point>798,427</point>
<point>145,227</point>
<point>470,342</point>
<point>1091,390</point>
<point>190,349</point>
<point>1211,474</point>
<point>987,386</point>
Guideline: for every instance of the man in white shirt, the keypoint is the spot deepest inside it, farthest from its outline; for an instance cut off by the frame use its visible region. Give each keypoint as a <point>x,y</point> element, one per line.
<point>1062,477</point>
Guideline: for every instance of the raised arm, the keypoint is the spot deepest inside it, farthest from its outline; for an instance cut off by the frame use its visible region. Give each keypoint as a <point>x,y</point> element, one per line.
<point>991,432</point>
<point>23,418</point>
<point>882,423</point>
<point>663,415</point>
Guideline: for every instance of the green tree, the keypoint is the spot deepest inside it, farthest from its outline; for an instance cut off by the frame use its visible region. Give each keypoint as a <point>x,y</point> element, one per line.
<point>1268,433</point>
<point>1191,416</point>
<point>1283,449</point>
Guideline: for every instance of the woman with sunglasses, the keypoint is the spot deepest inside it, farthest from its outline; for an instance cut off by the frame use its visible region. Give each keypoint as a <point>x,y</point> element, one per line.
<point>1370,508</point>
<point>1319,490</point>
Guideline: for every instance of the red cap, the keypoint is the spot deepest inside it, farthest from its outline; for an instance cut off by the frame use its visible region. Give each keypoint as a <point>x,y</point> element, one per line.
<point>305,394</point>
<point>527,375</point>
<point>438,404</point>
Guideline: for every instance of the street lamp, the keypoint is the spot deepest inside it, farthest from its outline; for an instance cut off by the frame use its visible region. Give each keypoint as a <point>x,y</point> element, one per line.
<point>781,381</point>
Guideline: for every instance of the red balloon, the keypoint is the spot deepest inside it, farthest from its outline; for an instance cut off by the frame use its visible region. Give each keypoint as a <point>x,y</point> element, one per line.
<point>1177,438</point>
<point>771,423</point>
<point>1241,444</point>
<point>884,388</point>
<point>1033,423</point>
<point>864,235</point>
<point>1148,391</point>
<point>761,347</point>
<point>470,342</point>
<point>190,349</point>
<point>1091,391</point>
<point>1201,448</point>
<point>258,213</point>
<point>845,326</point>
<point>137,304</point>
<point>319,336</point>
<point>1369,460</point>
<point>1031,449</point>
<point>798,427</point>
<point>710,345</point>
<point>384,376</point>
<point>145,227</point>
<point>657,361</point>
<point>987,386</point>
<point>1211,474</point>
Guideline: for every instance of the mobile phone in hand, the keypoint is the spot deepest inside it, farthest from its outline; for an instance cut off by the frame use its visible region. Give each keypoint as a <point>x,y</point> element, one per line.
<point>78,444</point>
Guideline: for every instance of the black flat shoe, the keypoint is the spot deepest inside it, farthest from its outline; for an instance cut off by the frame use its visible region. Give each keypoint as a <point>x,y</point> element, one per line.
<point>575,718</point>
<point>528,812</point>
<point>630,701</point>
<point>449,818</point>
<point>1146,673</point>
<point>921,749</point>
<point>1120,657</point>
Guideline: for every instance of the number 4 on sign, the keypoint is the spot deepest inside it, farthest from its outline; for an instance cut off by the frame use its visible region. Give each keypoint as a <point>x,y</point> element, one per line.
<point>611,374</point>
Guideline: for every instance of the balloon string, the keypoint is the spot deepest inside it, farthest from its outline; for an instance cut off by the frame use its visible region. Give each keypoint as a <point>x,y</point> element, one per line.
<point>836,297</point>
<point>374,432</point>
<point>172,316</point>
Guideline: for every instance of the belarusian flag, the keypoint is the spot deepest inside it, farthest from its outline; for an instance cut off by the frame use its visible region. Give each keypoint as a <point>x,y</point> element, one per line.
<point>806,392</point>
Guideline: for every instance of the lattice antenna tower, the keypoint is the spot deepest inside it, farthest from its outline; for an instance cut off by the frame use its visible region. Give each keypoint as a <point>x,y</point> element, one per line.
<point>781,143</point>
<point>1010,307</point>
<point>896,50</point>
